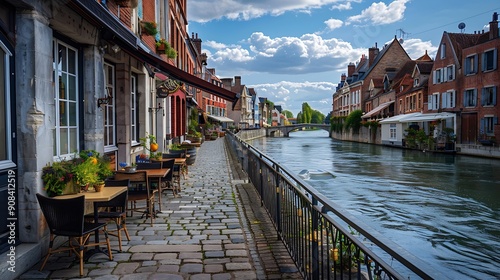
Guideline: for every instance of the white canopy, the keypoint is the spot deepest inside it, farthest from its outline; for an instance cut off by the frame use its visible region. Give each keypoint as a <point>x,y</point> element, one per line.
<point>220,118</point>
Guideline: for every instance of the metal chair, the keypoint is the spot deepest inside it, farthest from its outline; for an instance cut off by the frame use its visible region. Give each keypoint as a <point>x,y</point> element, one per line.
<point>139,191</point>
<point>114,210</point>
<point>65,217</point>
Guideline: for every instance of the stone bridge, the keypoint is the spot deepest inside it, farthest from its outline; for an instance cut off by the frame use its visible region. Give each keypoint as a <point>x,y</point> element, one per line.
<point>285,130</point>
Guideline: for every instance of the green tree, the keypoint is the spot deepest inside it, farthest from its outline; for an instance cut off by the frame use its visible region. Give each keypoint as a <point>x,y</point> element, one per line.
<point>299,117</point>
<point>306,113</point>
<point>317,117</point>
<point>288,114</point>
<point>353,121</point>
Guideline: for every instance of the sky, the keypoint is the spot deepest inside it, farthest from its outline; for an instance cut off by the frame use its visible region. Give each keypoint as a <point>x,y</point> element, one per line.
<point>294,51</point>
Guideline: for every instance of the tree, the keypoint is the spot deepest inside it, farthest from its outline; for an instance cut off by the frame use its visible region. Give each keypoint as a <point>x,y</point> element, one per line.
<point>306,113</point>
<point>287,114</point>
<point>299,117</point>
<point>317,117</point>
<point>353,121</point>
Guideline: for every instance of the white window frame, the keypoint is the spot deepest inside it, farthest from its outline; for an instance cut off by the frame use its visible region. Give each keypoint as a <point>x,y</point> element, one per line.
<point>450,73</point>
<point>443,51</point>
<point>109,109</point>
<point>448,99</point>
<point>57,71</point>
<point>134,133</point>
<point>433,102</point>
<point>393,132</point>
<point>6,162</point>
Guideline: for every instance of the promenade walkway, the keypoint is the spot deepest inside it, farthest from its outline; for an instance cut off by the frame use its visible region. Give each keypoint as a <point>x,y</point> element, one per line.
<point>215,230</point>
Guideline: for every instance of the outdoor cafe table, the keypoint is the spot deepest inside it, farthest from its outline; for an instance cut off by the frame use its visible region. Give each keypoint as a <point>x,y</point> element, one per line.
<point>106,194</point>
<point>178,161</point>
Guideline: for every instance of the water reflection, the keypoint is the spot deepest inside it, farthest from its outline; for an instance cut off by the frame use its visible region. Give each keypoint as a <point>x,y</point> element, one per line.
<point>445,209</point>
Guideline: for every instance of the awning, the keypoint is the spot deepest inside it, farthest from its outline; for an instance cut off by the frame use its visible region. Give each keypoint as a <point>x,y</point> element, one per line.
<point>428,117</point>
<point>220,118</point>
<point>418,117</point>
<point>398,118</point>
<point>114,30</point>
<point>377,109</point>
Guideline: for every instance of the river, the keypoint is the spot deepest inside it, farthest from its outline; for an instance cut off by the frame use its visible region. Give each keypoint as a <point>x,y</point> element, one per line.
<point>442,208</point>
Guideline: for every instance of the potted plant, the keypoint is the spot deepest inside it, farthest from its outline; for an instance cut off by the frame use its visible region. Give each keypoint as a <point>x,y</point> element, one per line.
<point>149,28</point>
<point>58,178</point>
<point>149,144</point>
<point>163,47</point>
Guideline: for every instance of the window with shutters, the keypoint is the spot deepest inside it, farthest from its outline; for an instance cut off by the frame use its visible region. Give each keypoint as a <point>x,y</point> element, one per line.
<point>448,99</point>
<point>470,97</point>
<point>470,65</point>
<point>489,60</point>
<point>489,96</point>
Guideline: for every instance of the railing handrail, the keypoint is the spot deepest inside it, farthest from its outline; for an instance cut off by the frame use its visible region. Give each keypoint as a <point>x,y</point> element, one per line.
<point>416,265</point>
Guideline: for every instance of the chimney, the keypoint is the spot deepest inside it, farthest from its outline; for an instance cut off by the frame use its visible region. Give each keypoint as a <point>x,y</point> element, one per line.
<point>197,42</point>
<point>350,69</point>
<point>372,53</point>
<point>342,77</point>
<point>494,27</point>
<point>237,80</point>
<point>227,82</point>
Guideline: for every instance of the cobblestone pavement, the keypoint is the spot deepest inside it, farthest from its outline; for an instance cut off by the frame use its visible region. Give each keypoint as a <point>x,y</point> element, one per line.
<point>215,230</point>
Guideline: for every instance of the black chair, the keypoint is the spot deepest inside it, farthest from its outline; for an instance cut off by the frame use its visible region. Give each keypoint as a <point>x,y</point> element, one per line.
<point>114,210</point>
<point>169,180</point>
<point>65,217</point>
<point>139,191</point>
<point>148,165</point>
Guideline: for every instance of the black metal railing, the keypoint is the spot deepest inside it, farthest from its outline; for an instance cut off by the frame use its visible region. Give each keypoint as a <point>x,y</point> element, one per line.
<point>324,240</point>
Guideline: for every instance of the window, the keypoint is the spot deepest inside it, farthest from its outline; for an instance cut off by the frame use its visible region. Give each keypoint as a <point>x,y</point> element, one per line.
<point>392,131</point>
<point>450,73</point>
<point>65,72</point>
<point>433,103</point>
<point>109,108</point>
<point>470,65</point>
<point>134,129</point>
<point>448,99</point>
<point>490,60</point>
<point>416,82</point>
<point>438,76</point>
<point>489,96</point>
<point>470,97</point>
<point>487,125</point>
<point>5,108</point>
<point>443,51</point>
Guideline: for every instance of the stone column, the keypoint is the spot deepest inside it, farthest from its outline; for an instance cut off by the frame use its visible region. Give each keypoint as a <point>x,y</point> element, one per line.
<point>35,117</point>
<point>93,88</point>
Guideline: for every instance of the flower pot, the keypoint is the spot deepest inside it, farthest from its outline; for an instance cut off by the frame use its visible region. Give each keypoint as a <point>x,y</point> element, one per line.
<point>71,188</point>
<point>98,187</point>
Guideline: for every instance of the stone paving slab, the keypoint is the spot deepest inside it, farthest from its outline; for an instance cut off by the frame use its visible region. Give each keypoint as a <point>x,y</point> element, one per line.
<point>209,232</point>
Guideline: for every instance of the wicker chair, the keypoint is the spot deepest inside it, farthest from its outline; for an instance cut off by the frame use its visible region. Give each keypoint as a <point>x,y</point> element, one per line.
<point>114,210</point>
<point>65,217</point>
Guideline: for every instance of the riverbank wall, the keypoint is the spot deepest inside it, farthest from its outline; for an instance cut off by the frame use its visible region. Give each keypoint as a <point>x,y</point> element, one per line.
<point>251,134</point>
<point>365,135</point>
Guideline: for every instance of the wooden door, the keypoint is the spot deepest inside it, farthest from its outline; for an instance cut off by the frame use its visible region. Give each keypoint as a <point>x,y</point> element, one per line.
<point>469,128</point>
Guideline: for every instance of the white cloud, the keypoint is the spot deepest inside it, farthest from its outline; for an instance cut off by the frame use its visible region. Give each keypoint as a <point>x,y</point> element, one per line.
<point>309,53</point>
<point>417,48</point>
<point>334,23</point>
<point>291,95</point>
<point>205,11</point>
<point>380,13</point>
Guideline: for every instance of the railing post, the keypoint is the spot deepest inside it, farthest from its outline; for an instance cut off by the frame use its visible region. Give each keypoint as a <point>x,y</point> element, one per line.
<point>278,202</point>
<point>261,178</point>
<point>316,235</point>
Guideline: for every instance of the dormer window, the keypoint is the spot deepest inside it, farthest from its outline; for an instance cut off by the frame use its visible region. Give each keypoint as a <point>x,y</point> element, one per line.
<point>416,82</point>
<point>443,51</point>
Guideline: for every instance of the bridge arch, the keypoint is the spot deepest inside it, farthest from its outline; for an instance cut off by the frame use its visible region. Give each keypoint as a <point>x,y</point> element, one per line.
<point>285,130</point>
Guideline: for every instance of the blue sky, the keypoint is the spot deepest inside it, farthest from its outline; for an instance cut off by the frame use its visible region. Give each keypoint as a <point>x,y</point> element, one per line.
<point>294,51</point>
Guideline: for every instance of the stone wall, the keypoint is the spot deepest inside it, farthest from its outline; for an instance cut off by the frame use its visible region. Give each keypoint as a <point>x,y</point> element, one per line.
<point>251,134</point>
<point>365,135</point>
